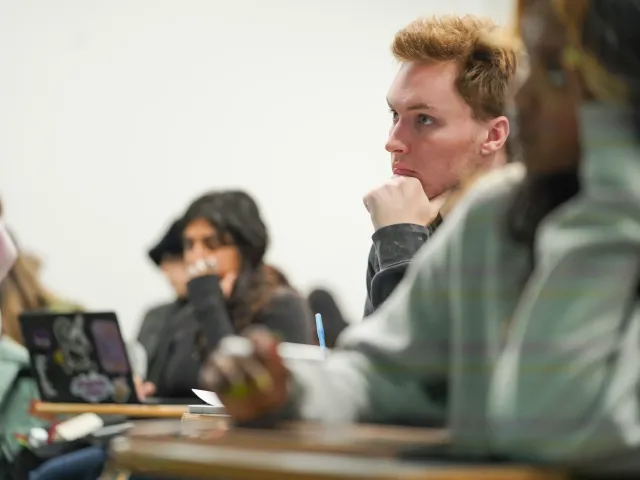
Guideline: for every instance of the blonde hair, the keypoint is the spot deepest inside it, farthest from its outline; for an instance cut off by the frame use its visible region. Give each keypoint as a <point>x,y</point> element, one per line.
<point>21,291</point>
<point>487,68</point>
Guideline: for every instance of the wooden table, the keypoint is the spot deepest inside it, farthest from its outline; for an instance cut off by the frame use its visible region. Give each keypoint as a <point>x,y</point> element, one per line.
<point>360,440</point>
<point>298,451</point>
<point>134,411</point>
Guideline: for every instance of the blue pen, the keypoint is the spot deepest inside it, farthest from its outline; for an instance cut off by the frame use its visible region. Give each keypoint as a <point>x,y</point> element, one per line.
<point>320,330</point>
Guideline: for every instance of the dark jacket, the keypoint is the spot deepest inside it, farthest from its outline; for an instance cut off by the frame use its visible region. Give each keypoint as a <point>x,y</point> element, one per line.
<point>194,330</point>
<point>154,323</point>
<point>393,248</point>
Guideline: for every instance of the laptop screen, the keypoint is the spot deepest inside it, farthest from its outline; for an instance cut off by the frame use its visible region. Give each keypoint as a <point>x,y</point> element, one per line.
<point>78,357</point>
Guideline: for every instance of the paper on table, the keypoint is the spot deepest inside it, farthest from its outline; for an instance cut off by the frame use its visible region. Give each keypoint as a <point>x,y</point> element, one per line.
<point>208,397</point>
<point>78,427</point>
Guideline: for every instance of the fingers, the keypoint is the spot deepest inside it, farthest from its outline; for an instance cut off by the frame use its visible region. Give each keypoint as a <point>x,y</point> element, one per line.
<point>148,389</point>
<point>210,376</point>
<point>139,390</point>
<point>228,282</point>
<point>410,186</point>
<point>248,374</point>
<point>260,336</point>
<point>143,389</point>
<point>243,363</point>
<point>264,363</point>
<point>266,347</point>
<point>397,183</point>
<point>202,267</point>
<point>232,379</point>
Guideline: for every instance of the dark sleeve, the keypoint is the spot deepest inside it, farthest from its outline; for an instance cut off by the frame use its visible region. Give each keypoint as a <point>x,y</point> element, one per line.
<point>288,316</point>
<point>197,341</point>
<point>152,324</point>
<point>393,248</point>
<point>371,272</point>
<point>210,311</point>
<point>145,325</point>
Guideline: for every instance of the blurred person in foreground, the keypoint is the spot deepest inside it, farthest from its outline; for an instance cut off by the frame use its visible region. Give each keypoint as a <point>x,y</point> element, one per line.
<point>517,326</point>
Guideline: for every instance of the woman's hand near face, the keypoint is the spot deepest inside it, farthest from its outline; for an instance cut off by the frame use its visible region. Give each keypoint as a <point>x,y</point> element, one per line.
<point>227,283</point>
<point>222,262</point>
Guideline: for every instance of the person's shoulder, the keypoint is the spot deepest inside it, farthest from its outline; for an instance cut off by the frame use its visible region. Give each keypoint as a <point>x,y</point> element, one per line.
<point>478,214</point>
<point>496,185</point>
<point>490,196</point>
<point>287,313</point>
<point>283,296</point>
<point>284,302</point>
<point>159,309</point>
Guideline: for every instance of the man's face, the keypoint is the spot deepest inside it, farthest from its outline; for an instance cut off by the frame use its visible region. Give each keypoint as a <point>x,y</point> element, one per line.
<point>434,136</point>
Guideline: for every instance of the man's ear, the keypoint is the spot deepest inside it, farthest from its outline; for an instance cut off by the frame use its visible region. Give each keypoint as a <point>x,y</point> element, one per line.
<point>498,131</point>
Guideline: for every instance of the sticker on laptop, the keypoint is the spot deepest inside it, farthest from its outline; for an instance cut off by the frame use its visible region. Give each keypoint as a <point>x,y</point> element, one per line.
<point>42,339</point>
<point>40,364</point>
<point>110,347</point>
<point>121,391</point>
<point>91,387</point>
<point>75,349</point>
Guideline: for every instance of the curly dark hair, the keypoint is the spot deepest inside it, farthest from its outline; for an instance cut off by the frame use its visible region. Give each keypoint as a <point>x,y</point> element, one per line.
<point>236,217</point>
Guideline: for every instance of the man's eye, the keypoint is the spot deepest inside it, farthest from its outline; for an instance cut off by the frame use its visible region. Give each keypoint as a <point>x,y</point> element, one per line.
<point>394,115</point>
<point>425,120</point>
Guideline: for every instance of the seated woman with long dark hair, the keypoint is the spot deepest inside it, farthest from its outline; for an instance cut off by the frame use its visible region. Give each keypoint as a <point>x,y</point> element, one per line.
<point>225,241</point>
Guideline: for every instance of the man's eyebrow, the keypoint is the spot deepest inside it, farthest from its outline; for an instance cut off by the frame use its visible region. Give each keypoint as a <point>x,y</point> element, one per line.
<point>415,106</point>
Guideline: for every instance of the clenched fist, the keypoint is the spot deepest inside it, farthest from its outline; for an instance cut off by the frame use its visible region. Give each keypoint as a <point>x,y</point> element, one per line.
<point>400,200</point>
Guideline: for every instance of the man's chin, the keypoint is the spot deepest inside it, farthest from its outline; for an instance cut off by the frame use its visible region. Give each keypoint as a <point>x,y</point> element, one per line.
<point>433,193</point>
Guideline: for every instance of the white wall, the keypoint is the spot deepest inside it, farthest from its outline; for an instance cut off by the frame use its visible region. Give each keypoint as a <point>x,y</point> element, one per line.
<point>114,114</point>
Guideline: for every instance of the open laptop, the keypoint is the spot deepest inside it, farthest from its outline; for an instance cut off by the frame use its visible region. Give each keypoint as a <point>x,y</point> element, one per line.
<point>80,358</point>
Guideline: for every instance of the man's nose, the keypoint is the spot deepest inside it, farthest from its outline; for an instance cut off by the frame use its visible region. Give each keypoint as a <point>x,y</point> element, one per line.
<point>395,144</point>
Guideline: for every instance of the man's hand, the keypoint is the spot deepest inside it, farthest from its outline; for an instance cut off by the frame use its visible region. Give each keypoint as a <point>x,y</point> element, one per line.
<point>251,382</point>
<point>400,200</point>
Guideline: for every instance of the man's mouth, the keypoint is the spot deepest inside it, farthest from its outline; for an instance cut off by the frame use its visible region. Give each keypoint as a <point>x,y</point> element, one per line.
<point>403,172</point>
